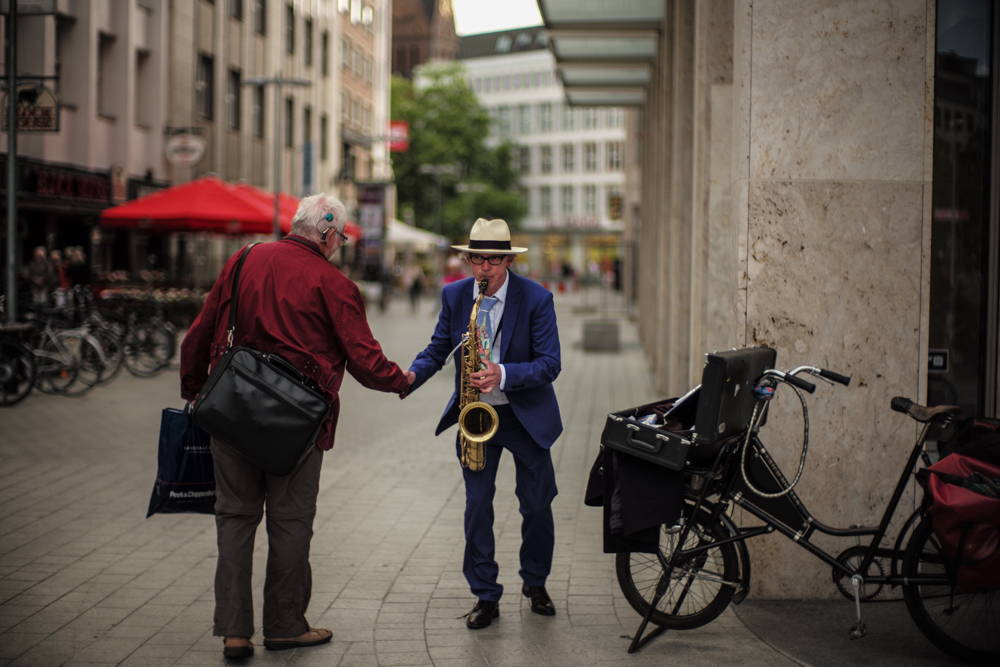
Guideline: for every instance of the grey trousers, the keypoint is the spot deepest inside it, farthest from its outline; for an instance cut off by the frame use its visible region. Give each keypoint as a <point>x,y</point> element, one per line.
<point>242,491</point>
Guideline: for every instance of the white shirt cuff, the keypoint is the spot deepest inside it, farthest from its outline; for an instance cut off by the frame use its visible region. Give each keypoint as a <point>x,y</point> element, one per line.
<point>503,378</point>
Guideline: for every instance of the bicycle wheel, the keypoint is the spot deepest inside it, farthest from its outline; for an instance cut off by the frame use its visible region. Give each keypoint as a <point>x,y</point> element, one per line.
<point>89,360</point>
<point>964,625</point>
<point>111,346</point>
<point>146,348</point>
<point>57,365</point>
<point>17,372</point>
<point>700,586</point>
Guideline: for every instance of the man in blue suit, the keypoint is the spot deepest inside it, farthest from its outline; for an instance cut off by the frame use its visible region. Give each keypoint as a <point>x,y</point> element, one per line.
<point>517,380</point>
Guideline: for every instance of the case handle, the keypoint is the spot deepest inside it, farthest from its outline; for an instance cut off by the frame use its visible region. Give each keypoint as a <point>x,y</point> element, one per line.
<point>639,444</point>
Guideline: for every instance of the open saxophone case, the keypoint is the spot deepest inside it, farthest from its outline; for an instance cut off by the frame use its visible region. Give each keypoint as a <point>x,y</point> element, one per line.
<point>648,450</point>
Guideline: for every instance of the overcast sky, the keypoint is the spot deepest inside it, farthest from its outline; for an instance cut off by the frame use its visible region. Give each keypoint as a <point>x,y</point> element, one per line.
<point>475,16</point>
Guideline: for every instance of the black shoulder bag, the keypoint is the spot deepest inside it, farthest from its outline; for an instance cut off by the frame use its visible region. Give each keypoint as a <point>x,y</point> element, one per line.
<point>259,404</point>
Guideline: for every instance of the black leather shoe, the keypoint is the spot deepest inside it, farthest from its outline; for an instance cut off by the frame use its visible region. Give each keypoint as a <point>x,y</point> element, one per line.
<point>541,603</point>
<point>482,614</point>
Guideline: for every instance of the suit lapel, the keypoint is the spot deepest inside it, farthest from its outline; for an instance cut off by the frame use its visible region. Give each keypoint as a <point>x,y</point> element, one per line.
<point>509,320</point>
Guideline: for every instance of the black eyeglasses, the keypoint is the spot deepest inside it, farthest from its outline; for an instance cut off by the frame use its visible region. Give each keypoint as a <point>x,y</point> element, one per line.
<point>495,260</point>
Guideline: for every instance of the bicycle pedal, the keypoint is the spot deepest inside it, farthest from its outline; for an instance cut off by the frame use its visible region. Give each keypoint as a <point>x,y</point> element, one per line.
<point>859,631</point>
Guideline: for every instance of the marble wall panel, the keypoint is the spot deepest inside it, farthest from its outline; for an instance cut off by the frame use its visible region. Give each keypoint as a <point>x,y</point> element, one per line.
<point>834,279</point>
<point>723,244</point>
<point>838,89</point>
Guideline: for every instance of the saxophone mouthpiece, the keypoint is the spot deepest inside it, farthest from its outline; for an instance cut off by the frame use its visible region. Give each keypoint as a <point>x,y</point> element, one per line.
<point>483,286</point>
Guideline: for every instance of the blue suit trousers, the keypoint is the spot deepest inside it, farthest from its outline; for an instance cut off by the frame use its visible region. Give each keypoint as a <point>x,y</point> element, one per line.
<point>535,490</point>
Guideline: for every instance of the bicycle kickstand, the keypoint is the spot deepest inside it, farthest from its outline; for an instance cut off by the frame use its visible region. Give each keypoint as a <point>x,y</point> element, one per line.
<point>858,631</point>
<point>638,641</point>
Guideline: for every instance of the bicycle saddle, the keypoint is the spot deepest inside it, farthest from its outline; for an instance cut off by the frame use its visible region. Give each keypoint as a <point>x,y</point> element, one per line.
<point>922,413</point>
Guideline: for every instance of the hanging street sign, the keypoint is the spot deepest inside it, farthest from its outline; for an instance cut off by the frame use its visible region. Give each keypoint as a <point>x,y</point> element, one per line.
<point>36,109</point>
<point>184,150</point>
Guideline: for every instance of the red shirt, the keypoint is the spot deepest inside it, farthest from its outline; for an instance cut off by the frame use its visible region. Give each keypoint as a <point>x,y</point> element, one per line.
<point>293,302</point>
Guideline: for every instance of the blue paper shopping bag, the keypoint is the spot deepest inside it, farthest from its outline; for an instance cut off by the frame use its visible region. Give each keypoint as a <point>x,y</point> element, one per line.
<point>185,475</point>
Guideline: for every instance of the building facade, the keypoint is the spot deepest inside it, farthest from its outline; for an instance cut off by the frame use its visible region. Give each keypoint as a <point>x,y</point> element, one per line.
<point>422,30</point>
<point>289,95</point>
<point>571,160</point>
<point>819,178</point>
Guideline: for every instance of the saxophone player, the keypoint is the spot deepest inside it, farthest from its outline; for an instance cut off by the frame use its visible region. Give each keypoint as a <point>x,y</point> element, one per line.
<point>520,358</point>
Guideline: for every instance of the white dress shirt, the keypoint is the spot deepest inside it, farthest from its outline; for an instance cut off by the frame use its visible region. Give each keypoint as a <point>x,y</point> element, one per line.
<point>495,397</point>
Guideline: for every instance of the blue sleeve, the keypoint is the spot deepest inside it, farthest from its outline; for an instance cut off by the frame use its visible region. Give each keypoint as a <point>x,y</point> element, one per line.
<point>434,355</point>
<point>546,358</point>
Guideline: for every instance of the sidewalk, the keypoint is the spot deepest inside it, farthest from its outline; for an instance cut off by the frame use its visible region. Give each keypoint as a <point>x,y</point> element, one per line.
<point>85,579</point>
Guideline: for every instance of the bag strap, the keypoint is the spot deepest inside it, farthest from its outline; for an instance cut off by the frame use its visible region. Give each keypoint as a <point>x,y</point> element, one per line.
<point>234,297</point>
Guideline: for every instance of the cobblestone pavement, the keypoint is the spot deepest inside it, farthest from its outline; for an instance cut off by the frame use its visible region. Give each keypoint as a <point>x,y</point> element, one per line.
<point>85,579</point>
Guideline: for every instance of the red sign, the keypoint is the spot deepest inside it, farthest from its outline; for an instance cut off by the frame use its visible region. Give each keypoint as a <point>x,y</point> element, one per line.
<point>399,136</point>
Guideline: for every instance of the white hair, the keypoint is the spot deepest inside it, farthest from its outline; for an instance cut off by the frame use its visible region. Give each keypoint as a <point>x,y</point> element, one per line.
<point>311,221</point>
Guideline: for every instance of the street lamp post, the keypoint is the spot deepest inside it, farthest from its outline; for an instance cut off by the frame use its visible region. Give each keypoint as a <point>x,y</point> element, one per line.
<point>279,81</point>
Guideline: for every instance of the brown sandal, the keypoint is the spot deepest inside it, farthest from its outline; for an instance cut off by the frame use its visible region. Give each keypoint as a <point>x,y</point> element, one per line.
<point>300,641</point>
<point>237,650</point>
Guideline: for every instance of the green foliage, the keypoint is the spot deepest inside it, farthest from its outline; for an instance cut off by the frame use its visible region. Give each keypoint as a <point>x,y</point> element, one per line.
<point>448,127</point>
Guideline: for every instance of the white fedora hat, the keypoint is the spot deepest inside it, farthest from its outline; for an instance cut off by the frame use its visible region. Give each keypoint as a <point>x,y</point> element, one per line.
<point>490,237</point>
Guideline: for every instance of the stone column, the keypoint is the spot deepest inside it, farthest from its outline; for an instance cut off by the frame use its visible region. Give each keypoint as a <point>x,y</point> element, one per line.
<point>831,196</point>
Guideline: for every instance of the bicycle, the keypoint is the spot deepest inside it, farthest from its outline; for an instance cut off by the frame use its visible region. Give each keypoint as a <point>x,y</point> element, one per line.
<point>702,563</point>
<point>68,361</point>
<point>17,365</point>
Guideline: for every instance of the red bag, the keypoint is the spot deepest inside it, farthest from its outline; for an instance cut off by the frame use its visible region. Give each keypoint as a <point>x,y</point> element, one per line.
<point>961,516</point>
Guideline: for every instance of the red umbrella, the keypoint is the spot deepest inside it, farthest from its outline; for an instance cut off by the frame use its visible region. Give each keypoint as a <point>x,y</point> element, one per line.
<point>287,206</point>
<point>206,204</point>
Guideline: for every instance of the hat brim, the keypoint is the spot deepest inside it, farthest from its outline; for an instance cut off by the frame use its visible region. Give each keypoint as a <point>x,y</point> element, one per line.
<point>513,251</point>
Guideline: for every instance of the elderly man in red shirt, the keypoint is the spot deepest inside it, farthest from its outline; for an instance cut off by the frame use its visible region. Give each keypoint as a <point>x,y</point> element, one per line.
<point>294,303</point>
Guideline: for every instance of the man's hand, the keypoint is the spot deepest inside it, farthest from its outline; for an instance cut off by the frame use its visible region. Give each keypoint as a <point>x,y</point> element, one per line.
<point>485,380</point>
<point>411,377</point>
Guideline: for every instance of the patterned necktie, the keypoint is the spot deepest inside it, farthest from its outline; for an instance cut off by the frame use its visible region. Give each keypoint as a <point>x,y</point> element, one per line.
<point>485,325</point>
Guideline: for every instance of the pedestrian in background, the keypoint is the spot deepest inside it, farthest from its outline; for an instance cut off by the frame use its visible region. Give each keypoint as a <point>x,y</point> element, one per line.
<point>292,302</point>
<point>40,277</point>
<point>519,328</point>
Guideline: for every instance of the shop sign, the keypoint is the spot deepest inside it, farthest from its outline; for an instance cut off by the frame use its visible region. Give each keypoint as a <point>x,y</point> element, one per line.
<point>399,136</point>
<point>574,222</point>
<point>63,185</point>
<point>184,150</point>
<point>119,183</point>
<point>615,207</point>
<point>36,109</point>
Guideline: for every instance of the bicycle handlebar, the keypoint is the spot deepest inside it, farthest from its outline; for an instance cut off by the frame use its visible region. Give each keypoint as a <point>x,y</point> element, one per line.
<point>836,377</point>
<point>800,383</point>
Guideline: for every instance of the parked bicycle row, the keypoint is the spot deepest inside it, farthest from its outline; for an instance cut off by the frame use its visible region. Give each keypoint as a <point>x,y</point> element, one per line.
<point>71,349</point>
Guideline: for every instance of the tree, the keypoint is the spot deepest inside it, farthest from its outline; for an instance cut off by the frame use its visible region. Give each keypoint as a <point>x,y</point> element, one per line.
<point>449,127</point>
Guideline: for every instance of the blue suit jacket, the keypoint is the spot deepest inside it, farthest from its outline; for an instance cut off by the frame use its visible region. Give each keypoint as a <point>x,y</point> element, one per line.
<point>529,352</point>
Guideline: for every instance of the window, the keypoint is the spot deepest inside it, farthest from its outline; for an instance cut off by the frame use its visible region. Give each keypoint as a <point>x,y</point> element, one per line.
<point>545,159</point>
<point>566,199</point>
<point>345,52</point>
<point>104,85</point>
<point>590,199</point>
<point>355,112</point>
<point>479,85</point>
<point>523,160</point>
<point>143,84</point>
<point>368,70</point>
<point>613,198</point>
<point>526,199</point>
<point>356,63</point>
<point>289,29</point>
<point>258,111</point>
<point>308,30</point>
<point>591,119</point>
<point>344,106</point>
<point>615,117</point>
<point>590,157</point>
<point>366,122</point>
<point>307,123</point>
<point>204,88</point>
<point>260,16</point>
<point>545,200</point>
<point>324,138</point>
<point>568,159</point>
<point>504,121</point>
<point>545,117</point>
<point>236,9</point>
<point>324,53</point>
<point>489,84</point>
<point>233,99</point>
<point>568,118</point>
<point>614,156</point>
<point>524,119</point>
<point>289,122</point>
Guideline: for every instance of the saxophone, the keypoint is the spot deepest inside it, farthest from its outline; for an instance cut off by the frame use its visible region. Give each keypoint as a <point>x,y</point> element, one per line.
<point>477,421</point>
